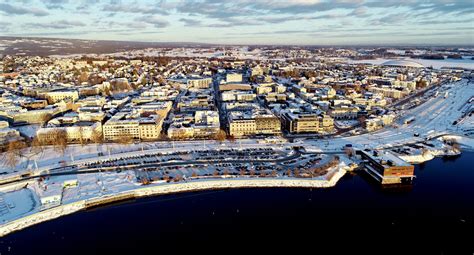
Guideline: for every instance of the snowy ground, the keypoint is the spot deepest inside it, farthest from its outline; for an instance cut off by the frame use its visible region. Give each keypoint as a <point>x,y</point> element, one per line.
<point>28,130</point>
<point>15,204</point>
<point>437,64</point>
<point>346,123</point>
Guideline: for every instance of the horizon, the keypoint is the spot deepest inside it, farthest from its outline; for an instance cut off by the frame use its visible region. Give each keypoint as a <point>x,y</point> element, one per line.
<point>260,22</point>
<point>192,43</point>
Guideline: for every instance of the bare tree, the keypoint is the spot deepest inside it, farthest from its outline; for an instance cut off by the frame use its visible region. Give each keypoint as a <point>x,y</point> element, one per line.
<point>231,138</point>
<point>178,178</point>
<point>296,173</point>
<point>14,153</point>
<point>37,146</point>
<point>125,139</point>
<point>349,151</point>
<point>81,136</point>
<point>97,137</point>
<point>220,135</point>
<point>59,140</point>
<point>145,181</point>
<point>45,117</point>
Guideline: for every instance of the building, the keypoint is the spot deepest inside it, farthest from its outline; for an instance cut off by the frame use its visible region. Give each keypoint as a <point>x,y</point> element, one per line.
<point>343,112</point>
<point>201,124</point>
<point>378,122</point>
<point>297,123</point>
<point>326,124</point>
<point>387,168</point>
<point>7,133</point>
<point>121,127</point>
<point>57,96</point>
<point>253,122</point>
<point>35,104</point>
<point>388,92</point>
<point>78,132</point>
<point>267,124</point>
<point>199,83</point>
<point>233,77</point>
<point>241,124</point>
<point>256,71</point>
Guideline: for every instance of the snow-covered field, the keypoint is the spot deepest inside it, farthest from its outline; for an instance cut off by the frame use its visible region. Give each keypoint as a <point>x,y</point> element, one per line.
<point>28,130</point>
<point>16,203</point>
<point>437,64</point>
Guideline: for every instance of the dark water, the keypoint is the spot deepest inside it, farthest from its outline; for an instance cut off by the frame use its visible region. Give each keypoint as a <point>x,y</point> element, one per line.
<point>434,216</point>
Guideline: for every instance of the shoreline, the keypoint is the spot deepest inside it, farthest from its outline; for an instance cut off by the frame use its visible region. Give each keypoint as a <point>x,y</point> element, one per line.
<point>164,189</point>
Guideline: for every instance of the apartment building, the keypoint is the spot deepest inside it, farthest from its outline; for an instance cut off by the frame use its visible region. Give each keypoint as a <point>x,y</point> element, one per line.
<point>57,96</point>
<point>298,123</point>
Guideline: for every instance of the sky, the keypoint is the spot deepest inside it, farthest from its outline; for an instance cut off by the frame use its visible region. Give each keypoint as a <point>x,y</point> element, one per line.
<point>296,22</point>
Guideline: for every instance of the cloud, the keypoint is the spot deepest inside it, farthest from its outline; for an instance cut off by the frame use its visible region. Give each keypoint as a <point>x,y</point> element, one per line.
<point>153,20</point>
<point>55,4</point>
<point>133,8</point>
<point>359,12</point>
<point>60,24</point>
<point>391,19</point>
<point>19,10</point>
<point>4,26</point>
<point>191,22</point>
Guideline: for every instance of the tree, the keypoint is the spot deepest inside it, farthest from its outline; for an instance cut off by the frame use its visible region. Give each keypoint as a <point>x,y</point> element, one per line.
<point>349,151</point>
<point>288,172</point>
<point>220,135</point>
<point>81,136</point>
<point>14,153</point>
<point>58,138</point>
<point>178,178</point>
<point>37,146</point>
<point>231,138</point>
<point>97,137</point>
<point>361,120</point>
<point>216,173</point>
<point>163,137</point>
<point>83,77</point>
<point>45,117</point>
<point>125,139</point>
<point>296,173</point>
<point>145,181</point>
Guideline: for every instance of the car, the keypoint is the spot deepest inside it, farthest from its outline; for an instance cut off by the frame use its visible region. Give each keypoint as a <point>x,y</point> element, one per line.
<point>416,134</point>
